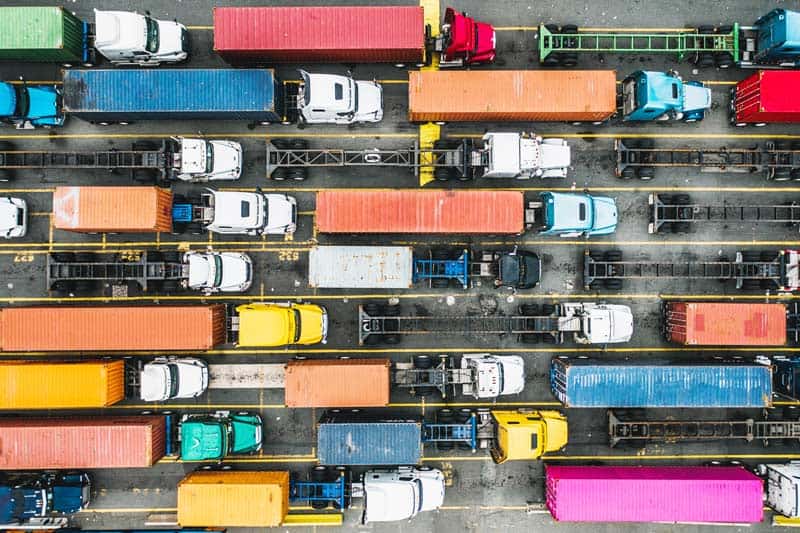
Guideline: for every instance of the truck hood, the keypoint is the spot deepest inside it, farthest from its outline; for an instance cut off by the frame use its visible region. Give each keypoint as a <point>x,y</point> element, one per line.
<point>202,440</point>
<point>226,272</point>
<point>389,501</point>
<point>43,103</point>
<point>496,375</point>
<point>68,499</point>
<point>605,215</point>
<point>369,107</point>
<point>247,434</point>
<point>119,30</point>
<point>227,160</point>
<point>10,225</point>
<point>610,324</point>
<point>8,100</point>
<point>154,382</point>
<point>554,155</point>
<point>22,503</point>
<point>522,270</point>
<point>282,213</point>
<point>696,98</point>
<point>170,39</point>
<point>193,156</point>
<point>513,374</point>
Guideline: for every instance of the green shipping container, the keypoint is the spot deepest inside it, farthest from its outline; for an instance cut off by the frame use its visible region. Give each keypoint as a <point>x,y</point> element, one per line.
<point>40,34</point>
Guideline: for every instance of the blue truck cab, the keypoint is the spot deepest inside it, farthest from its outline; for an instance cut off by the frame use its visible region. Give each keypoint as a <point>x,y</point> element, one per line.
<point>786,376</point>
<point>576,214</point>
<point>777,39</point>
<point>649,96</point>
<point>30,106</point>
<point>42,501</point>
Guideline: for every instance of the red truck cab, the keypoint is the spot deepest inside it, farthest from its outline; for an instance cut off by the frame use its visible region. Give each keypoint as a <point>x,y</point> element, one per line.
<point>467,42</point>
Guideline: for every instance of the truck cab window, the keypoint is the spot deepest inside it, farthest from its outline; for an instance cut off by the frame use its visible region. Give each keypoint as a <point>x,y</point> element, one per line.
<point>151,37</point>
<point>675,90</point>
<point>245,209</point>
<point>23,101</point>
<point>534,441</point>
<point>209,157</point>
<point>582,212</point>
<point>338,91</point>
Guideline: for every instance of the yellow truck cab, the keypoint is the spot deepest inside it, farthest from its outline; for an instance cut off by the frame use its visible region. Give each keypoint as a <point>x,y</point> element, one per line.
<point>527,435</point>
<point>279,324</point>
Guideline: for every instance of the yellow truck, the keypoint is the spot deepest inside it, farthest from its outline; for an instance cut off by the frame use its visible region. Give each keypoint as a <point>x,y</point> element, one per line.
<point>280,324</point>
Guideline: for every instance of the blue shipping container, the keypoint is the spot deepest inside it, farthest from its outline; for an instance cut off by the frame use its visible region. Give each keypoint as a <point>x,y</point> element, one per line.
<point>118,95</point>
<point>369,442</point>
<point>588,383</point>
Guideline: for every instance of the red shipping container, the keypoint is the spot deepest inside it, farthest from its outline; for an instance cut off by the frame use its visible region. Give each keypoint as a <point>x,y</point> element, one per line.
<point>768,96</point>
<point>463,212</point>
<point>82,442</point>
<point>717,494</point>
<point>334,34</point>
<point>725,324</point>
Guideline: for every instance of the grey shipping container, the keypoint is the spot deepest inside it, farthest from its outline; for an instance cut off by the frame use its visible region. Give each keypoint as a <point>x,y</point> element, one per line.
<point>344,439</point>
<point>592,383</point>
<point>360,267</point>
<point>125,94</point>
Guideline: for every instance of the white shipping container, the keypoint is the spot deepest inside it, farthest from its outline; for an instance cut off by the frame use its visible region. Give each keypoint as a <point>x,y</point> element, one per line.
<point>360,267</point>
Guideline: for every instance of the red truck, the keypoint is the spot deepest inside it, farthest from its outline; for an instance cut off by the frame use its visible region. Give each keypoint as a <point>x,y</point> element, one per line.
<point>766,97</point>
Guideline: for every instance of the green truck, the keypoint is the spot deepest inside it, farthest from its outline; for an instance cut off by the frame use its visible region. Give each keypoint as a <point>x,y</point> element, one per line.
<point>215,436</point>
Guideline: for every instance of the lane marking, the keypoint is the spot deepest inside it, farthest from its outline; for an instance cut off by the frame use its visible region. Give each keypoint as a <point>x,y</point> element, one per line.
<point>200,28</point>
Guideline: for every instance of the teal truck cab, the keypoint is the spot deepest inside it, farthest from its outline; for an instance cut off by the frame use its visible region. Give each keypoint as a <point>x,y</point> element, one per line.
<point>41,500</point>
<point>649,96</point>
<point>575,214</point>
<point>30,106</point>
<point>214,436</point>
<point>773,41</point>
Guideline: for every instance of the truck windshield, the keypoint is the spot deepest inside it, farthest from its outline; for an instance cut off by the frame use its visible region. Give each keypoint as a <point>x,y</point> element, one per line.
<point>151,38</point>
<point>173,380</point>
<point>421,497</point>
<point>354,96</point>
<point>23,100</point>
<point>209,157</point>
<point>297,325</point>
<point>217,271</point>
<point>500,378</point>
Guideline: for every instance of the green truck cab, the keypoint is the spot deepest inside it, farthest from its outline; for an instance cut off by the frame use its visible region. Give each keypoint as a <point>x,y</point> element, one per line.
<point>215,436</point>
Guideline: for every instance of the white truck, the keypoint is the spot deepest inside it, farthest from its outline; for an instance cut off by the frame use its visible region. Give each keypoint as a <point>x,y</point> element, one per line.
<point>198,160</point>
<point>234,212</point>
<point>522,156</point>
<point>128,38</point>
<point>169,378</point>
<point>336,99</point>
<point>13,217</point>
<point>480,375</point>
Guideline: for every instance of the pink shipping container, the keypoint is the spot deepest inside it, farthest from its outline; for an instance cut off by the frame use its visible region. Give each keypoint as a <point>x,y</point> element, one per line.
<point>704,494</point>
<point>332,34</point>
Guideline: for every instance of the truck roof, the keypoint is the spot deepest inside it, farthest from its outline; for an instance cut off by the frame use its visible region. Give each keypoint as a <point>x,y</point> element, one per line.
<point>201,439</point>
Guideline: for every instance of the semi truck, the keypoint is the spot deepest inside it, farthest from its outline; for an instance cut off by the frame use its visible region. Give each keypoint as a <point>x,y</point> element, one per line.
<point>150,271</point>
<point>766,97</point>
<point>350,34</point>
<point>121,96</point>
<point>552,323</point>
<point>364,438</point>
<point>126,441</point>
<point>399,267</point>
<point>150,209</point>
<point>749,270</point>
<point>13,217</point>
<point>769,43</point>
<point>659,384</point>
<point>663,96</point>
<point>42,501</point>
<point>31,106</point>
<point>159,327</point>
<point>466,212</point>
<point>495,155</point>
<point>175,159</point>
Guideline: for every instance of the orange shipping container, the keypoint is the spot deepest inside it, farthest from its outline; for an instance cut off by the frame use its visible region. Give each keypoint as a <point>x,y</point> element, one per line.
<point>510,95</point>
<point>61,385</point>
<point>465,212</point>
<point>338,383</point>
<point>725,324</point>
<point>112,209</point>
<point>110,328</point>
<point>233,499</point>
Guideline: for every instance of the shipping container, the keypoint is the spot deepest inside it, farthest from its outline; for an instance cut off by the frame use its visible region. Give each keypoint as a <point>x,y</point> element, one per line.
<point>464,212</point>
<point>82,442</point>
<point>61,385</point>
<point>768,96</point>
<point>112,209</point>
<point>512,95</point>
<point>671,494</point>
<point>594,383</point>
<point>233,499</point>
<point>121,95</point>
<point>112,328</point>
<point>360,439</point>
<point>725,324</point>
<point>325,34</point>
<point>42,34</point>
<point>360,267</point>
<point>338,383</point>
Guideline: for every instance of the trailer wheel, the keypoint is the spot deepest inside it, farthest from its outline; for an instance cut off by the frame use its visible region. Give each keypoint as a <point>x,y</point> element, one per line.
<point>628,173</point>
<point>795,174</point>
<point>279,174</point>
<point>297,144</point>
<point>646,144</point>
<point>171,257</point>
<point>441,174</point>
<point>194,228</point>
<point>549,339</point>
<point>529,309</point>
<point>445,416</point>
<point>170,286</point>
<point>705,60</point>
<point>463,415</point>
<point>751,284</point>
<point>84,286</point>
<point>440,283</point>
<point>646,173</point>
<point>613,255</point>
<point>144,146</point>
<point>372,340</point>
<point>682,199</point>
<point>391,310</point>
<point>63,287</point>
<point>63,257</point>
<point>372,309</point>
<point>529,338</point>
<point>391,339</point>
<point>548,309</point>
<point>724,60</point>
<point>551,61</point>
<point>613,284</point>
<point>423,362</point>
<point>767,256</point>
<point>425,392</point>
<point>298,174</point>
<point>782,174</point>
<point>85,257</point>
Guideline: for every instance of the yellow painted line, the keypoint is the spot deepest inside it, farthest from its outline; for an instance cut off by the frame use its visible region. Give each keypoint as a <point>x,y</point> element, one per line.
<point>715,82</point>
<point>249,460</point>
<point>275,246</point>
<point>199,28</point>
<point>29,190</point>
<point>394,82</point>
<point>461,459</point>
<point>779,520</point>
<point>698,457</point>
<point>313,520</point>
<point>36,82</point>
<point>170,406</point>
<point>516,28</point>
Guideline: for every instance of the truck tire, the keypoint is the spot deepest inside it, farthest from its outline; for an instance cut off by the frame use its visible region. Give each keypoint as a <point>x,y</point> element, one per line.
<point>751,285</point>
<point>706,60</point>
<point>144,146</point>
<point>279,174</point>
<point>63,257</point>
<point>724,60</point>
<point>681,199</point>
<point>613,255</point>
<point>84,286</point>
<point>63,287</point>
<point>391,310</point>
<point>440,283</point>
<point>372,309</point>
<point>680,227</point>
<point>155,256</point>
<point>194,228</point>
<point>391,339</point>
<point>751,257</point>
<point>297,174</point>
<point>548,309</point>
<point>423,362</point>
<point>463,415</point>
<point>297,144</point>
<point>768,257</point>
<point>85,257</point>
<point>445,416</point>
<point>613,284</point>
<point>529,338</point>
<point>628,173</point>
<point>529,309</point>
<point>441,174</point>
<point>171,257</point>
<point>795,174</point>
<point>6,175</point>
<point>646,173</point>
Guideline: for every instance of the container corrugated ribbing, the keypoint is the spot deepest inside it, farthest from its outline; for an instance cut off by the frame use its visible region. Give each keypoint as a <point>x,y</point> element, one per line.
<point>112,209</point>
<point>41,34</point>
<point>768,96</point>
<point>338,383</point>
<point>725,323</point>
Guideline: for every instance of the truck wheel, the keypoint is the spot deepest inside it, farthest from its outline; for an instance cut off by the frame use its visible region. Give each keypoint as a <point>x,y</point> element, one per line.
<point>84,286</point>
<point>548,309</point>
<point>782,174</point>
<point>298,174</point>
<point>751,284</point>
<point>171,257</point>
<point>751,257</point>
<point>425,392</point>
<point>529,338</point>
<point>706,60</point>
<point>724,60</point>
<point>613,284</point>
<point>441,174</point>
<point>297,144</point>
<point>569,60</point>
<point>548,339</point>
<point>613,255</point>
<point>682,199</point>
<point>423,362</point>
<point>463,415</point>
<point>63,257</point>
<point>63,286</point>
<point>628,173</point>
<point>372,309</point>
<point>391,339</point>
<point>194,228</point>
<point>529,309</point>
<point>768,257</point>
<point>646,144</point>
<point>170,286</point>
<point>551,61</point>
<point>680,227</point>
<point>144,146</point>
<point>440,283</point>
<point>279,174</point>
<point>445,416</point>
<point>85,257</point>
<point>391,310</point>
<point>646,173</point>
<point>795,174</point>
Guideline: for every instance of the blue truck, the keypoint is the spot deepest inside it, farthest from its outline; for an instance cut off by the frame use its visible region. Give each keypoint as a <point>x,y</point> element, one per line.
<point>574,214</point>
<point>30,106</point>
<point>625,384</point>
<point>42,500</point>
<point>663,96</point>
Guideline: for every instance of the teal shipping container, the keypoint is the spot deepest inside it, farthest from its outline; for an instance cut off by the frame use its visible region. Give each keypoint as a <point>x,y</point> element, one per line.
<point>43,34</point>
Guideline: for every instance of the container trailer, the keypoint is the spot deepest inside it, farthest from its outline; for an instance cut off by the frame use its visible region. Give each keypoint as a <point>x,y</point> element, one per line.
<point>42,501</point>
<point>659,384</point>
<point>766,97</point>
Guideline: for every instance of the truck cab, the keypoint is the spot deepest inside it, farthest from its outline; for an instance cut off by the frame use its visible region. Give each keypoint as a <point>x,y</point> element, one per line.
<point>577,214</point>
<point>599,323</point>
<point>493,375</point>
<point>280,324</point>
<point>527,435</point>
<point>248,213</point>
<point>335,99</point>
<point>30,106</point>
<point>400,493</point>
<point>775,40</point>
<point>649,96</point>
<point>465,41</point>
<point>13,217</point>
<point>169,378</point>
<point>524,156</point>
<point>128,38</point>
<point>213,272</point>
<point>782,487</point>
<point>519,269</point>
<point>214,436</point>
<point>42,500</point>
<point>198,160</point>
<point>786,377</point>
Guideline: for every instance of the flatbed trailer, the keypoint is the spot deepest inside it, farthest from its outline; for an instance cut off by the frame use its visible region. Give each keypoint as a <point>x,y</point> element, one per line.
<point>749,430</point>
<point>777,160</point>
<point>775,269</point>
<point>677,213</point>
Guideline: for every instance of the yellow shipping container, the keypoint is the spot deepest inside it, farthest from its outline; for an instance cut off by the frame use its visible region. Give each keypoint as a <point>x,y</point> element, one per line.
<point>233,499</point>
<point>61,385</point>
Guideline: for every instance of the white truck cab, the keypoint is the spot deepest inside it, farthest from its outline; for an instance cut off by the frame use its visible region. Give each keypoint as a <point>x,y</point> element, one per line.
<point>597,323</point>
<point>493,375</point>
<point>128,38</point>
<point>212,272</point>
<point>13,217</point>
<point>523,156</point>
<point>335,99</point>
<point>401,493</point>
<point>198,160</point>
<point>167,378</point>
<point>250,213</point>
